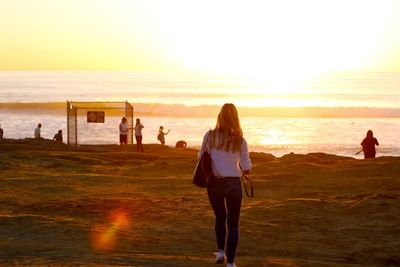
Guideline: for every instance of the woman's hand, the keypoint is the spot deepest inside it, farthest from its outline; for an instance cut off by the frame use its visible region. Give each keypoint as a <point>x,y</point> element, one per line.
<point>246,172</point>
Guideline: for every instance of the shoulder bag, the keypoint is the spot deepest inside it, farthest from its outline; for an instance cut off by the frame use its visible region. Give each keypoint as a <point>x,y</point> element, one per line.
<point>203,171</point>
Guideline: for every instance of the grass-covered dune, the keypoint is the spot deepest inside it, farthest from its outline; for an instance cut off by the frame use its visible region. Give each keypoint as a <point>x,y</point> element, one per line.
<point>100,206</point>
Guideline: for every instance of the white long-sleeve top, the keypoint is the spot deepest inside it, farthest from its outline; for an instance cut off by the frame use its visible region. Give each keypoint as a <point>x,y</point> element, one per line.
<point>227,164</point>
<point>37,133</point>
<point>123,128</point>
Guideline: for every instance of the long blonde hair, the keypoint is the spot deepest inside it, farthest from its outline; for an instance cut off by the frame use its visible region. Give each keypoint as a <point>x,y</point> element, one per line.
<point>227,132</point>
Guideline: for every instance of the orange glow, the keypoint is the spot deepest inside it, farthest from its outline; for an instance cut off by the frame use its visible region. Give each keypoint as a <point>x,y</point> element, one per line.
<point>262,40</point>
<point>105,237</point>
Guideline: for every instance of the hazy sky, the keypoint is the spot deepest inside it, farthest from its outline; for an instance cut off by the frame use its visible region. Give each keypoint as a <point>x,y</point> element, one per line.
<point>298,37</point>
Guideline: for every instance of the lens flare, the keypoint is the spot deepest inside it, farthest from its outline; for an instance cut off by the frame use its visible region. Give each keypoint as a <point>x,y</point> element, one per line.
<point>104,237</point>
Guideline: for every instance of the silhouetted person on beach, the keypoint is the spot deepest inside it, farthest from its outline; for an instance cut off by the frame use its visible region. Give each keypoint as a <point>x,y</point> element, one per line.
<point>37,134</point>
<point>181,144</point>
<point>1,133</point>
<point>161,135</point>
<point>58,137</point>
<point>123,132</point>
<point>138,135</point>
<point>368,145</point>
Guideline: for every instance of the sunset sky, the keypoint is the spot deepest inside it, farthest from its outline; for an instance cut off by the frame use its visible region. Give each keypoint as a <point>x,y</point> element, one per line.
<point>238,37</point>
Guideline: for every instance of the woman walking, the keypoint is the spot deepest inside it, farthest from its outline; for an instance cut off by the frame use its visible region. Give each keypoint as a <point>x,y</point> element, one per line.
<point>230,157</point>
<point>138,135</point>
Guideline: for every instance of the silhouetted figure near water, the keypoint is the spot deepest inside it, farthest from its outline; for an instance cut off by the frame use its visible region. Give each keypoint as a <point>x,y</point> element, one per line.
<point>161,135</point>
<point>123,132</point>
<point>58,137</point>
<point>138,135</point>
<point>368,145</point>
<point>181,144</point>
<point>37,133</point>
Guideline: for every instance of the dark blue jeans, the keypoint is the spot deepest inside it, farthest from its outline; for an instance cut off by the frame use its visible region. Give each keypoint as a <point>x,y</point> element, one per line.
<point>225,195</point>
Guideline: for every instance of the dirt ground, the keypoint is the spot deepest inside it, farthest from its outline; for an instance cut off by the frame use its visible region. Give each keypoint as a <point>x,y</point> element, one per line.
<point>102,206</point>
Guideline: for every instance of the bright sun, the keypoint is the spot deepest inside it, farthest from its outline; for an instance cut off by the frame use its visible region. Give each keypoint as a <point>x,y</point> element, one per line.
<point>273,43</point>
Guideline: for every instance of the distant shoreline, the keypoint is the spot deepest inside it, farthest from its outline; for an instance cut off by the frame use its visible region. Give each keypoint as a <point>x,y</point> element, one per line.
<point>31,144</point>
<point>179,110</point>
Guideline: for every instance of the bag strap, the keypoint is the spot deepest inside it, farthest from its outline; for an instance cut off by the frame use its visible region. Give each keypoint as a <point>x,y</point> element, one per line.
<point>244,179</point>
<point>208,142</point>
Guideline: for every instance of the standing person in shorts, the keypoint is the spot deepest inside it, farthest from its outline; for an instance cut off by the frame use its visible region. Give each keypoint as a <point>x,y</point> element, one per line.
<point>138,135</point>
<point>230,158</point>
<point>123,132</point>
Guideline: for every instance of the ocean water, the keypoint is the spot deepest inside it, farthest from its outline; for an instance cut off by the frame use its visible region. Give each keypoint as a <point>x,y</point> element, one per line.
<point>354,90</point>
<point>278,136</point>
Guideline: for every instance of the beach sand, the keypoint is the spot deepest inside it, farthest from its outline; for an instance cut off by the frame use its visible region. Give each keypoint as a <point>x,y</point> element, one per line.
<point>100,206</point>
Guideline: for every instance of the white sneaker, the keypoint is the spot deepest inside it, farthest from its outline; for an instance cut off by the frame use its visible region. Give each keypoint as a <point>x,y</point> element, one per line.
<point>220,258</point>
<point>231,265</point>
